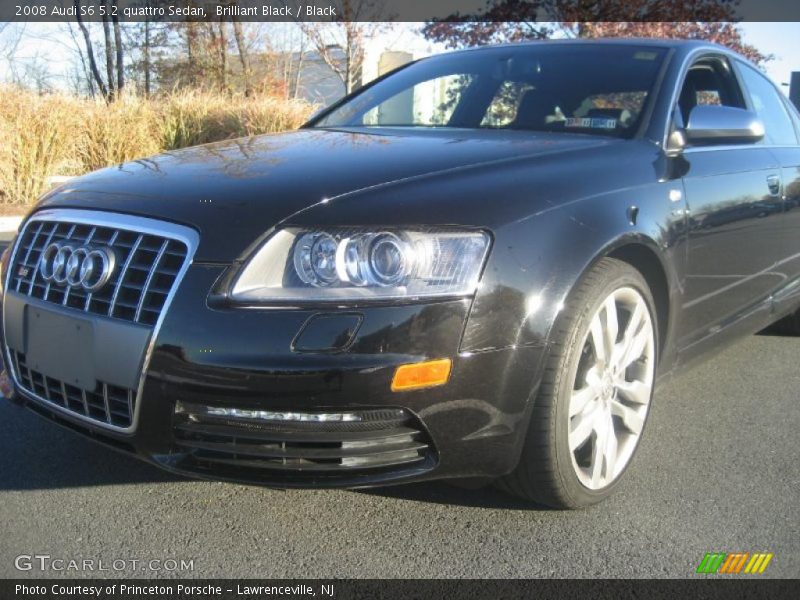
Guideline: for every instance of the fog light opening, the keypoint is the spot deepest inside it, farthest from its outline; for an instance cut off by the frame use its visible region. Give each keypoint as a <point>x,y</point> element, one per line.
<point>421,375</point>
<point>194,410</point>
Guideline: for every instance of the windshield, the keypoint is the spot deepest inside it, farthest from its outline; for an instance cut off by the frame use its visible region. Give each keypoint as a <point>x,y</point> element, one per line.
<point>581,88</point>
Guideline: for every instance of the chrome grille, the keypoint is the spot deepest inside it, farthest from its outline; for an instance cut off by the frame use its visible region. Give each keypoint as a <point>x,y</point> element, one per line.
<point>149,264</point>
<point>112,404</point>
<point>151,257</point>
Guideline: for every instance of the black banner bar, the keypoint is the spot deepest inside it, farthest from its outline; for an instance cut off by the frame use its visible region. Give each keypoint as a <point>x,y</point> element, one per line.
<point>399,10</point>
<point>423,589</point>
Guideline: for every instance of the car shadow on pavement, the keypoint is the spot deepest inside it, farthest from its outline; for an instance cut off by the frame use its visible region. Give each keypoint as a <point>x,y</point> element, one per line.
<point>36,454</point>
<point>776,330</point>
<point>437,492</point>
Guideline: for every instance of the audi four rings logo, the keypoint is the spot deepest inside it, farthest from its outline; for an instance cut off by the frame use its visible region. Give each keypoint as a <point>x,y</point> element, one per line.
<point>84,266</point>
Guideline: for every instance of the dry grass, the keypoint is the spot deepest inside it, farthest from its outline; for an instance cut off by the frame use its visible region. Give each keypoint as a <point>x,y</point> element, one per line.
<point>38,140</point>
<point>44,136</point>
<point>116,133</point>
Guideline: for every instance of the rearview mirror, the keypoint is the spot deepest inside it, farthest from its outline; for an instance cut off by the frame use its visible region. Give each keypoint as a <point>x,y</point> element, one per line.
<point>723,125</point>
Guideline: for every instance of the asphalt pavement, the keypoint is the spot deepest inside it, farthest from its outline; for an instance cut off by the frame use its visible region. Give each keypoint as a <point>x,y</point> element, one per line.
<point>718,471</point>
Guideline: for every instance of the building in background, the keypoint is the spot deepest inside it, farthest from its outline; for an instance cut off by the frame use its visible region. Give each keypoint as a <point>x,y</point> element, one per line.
<point>318,83</point>
<point>314,80</point>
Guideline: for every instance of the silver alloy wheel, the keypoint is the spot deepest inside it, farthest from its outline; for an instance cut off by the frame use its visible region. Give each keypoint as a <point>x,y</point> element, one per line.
<point>612,388</point>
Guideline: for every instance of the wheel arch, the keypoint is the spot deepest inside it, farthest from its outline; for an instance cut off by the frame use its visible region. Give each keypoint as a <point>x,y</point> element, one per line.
<point>646,261</point>
<point>642,254</point>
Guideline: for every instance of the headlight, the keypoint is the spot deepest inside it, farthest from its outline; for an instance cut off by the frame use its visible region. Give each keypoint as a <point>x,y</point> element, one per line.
<point>362,264</point>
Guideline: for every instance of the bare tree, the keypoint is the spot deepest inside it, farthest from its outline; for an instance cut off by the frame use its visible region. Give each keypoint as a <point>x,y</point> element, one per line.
<point>347,34</point>
<point>517,20</point>
<point>244,57</point>
<point>223,54</point>
<point>146,45</point>
<point>90,51</point>
<point>296,70</point>
<point>146,54</point>
<point>34,74</point>
<point>283,54</point>
<point>109,53</point>
<point>12,34</point>
<point>219,47</point>
<point>191,50</point>
<point>118,47</point>
<point>82,70</point>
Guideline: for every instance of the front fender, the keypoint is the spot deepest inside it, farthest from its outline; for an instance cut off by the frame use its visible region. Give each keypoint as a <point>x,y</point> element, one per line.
<point>536,262</point>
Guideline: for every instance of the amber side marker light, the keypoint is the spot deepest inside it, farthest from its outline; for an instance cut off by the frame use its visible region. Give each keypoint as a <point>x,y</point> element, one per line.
<point>421,375</point>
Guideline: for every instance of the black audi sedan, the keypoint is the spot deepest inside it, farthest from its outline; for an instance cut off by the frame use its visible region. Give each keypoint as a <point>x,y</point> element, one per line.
<point>476,267</point>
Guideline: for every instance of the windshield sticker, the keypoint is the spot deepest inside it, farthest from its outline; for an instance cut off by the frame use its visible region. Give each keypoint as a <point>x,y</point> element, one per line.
<point>590,123</point>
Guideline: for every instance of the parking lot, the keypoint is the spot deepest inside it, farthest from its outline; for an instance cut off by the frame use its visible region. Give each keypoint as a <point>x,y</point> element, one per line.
<point>717,471</point>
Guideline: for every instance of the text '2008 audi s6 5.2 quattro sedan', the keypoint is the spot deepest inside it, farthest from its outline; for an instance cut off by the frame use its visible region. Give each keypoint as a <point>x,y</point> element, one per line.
<point>475,267</point>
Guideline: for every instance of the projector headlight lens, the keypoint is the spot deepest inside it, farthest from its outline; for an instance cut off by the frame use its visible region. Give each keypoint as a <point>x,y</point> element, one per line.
<point>390,259</point>
<point>315,259</point>
<point>360,264</point>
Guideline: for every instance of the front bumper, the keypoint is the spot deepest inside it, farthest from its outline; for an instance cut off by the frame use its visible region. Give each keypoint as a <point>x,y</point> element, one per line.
<point>249,359</point>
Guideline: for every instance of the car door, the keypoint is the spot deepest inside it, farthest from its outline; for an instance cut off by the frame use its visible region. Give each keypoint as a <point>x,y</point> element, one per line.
<point>733,193</point>
<point>782,139</point>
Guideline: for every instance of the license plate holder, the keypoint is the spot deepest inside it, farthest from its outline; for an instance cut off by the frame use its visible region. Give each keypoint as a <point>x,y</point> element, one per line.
<point>60,346</point>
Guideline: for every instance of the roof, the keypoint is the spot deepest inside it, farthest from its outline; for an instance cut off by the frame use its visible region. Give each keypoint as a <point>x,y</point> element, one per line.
<point>661,42</point>
<point>682,47</point>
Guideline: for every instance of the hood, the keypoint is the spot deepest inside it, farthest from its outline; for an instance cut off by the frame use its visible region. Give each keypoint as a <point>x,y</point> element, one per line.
<point>234,191</point>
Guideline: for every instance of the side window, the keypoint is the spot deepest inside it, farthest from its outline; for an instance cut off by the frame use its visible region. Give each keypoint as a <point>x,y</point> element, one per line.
<point>710,81</point>
<point>769,106</point>
<point>502,111</point>
<point>792,110</point>
<point>709,98</point>
<point>625,107</point>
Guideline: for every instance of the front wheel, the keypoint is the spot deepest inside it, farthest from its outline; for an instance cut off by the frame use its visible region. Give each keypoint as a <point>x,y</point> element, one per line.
<point>595,395</point>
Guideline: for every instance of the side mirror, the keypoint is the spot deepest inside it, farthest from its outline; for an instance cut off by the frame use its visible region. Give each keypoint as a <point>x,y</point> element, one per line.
<point>723,125</point>
<point>676,142</point>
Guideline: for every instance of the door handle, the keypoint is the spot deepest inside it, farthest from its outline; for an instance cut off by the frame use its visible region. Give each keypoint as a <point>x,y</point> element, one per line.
<point>774,184</point>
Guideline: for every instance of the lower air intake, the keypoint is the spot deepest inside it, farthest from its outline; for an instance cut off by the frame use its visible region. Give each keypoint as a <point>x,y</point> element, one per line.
<point>219,439</point>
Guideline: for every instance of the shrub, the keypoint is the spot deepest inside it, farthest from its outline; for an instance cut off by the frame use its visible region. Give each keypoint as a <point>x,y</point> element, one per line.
<point>117,132</point>
<point>43,136</point>
<point>38,140</point>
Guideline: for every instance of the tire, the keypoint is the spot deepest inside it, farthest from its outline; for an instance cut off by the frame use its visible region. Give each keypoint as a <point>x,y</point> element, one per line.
<point>555,468</point>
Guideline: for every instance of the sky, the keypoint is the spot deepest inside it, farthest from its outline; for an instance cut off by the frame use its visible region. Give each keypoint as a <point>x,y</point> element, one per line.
<point>50,44</point>
<point>779,39</point>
